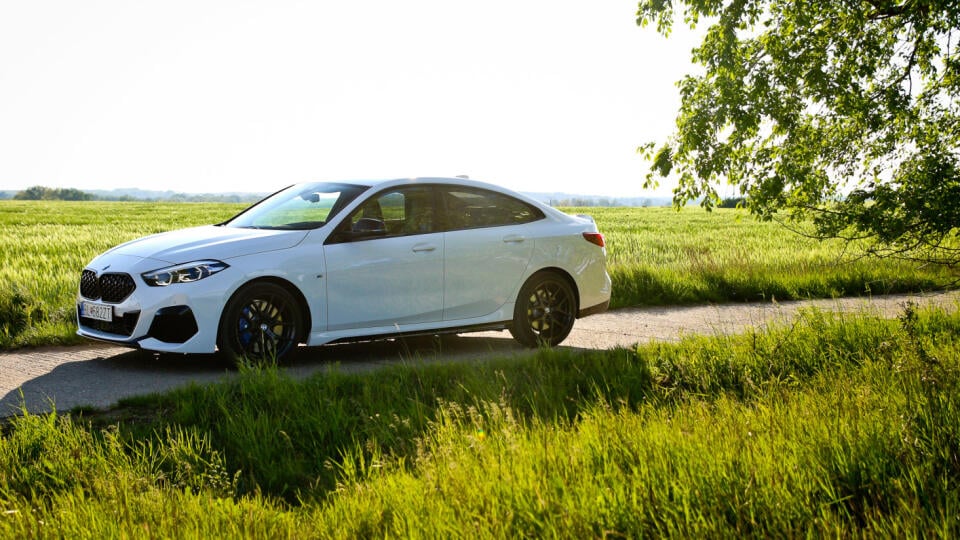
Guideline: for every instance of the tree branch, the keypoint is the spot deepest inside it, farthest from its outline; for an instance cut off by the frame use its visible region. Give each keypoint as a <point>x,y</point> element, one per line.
<point>885,10</point>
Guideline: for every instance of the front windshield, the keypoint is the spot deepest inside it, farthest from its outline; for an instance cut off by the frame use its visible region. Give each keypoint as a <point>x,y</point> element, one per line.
<point>299,207</point>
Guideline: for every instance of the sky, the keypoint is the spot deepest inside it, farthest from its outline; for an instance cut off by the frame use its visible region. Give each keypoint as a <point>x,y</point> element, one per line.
<point>207,96</point>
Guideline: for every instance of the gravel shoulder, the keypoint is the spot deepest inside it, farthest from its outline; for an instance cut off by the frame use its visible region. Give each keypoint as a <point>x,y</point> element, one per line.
<point>97,375</point>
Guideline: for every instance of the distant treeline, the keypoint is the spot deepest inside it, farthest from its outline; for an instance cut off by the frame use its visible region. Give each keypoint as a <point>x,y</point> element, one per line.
<point>612,202</point>
<point>605,202</point>
<point>584,201</point>
<point>42,193</point>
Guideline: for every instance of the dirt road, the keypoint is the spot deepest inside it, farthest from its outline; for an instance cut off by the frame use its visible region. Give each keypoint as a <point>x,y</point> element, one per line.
<point>99,375</point>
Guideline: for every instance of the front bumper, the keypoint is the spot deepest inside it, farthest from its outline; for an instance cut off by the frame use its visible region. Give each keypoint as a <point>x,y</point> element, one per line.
<point>181,318</point>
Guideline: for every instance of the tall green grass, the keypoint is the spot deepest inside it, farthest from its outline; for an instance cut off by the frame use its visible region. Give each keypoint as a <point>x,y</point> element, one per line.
<point>660,256</point>
<point>45,244</point>
<point>838,425</point>
<point>657,256</point>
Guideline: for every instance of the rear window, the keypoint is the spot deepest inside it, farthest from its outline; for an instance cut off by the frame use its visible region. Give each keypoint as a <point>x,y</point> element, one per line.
<point>470,208</point>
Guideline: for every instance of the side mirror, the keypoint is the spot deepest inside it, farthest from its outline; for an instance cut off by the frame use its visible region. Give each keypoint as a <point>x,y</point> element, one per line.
<point>363,229</point>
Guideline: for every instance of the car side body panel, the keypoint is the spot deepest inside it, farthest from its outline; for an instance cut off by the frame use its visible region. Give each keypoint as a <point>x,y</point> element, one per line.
<point>384,281</point>
<point>483,269</point>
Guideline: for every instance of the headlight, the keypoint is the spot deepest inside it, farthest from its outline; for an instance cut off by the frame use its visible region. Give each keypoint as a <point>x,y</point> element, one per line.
<point>183,273</point>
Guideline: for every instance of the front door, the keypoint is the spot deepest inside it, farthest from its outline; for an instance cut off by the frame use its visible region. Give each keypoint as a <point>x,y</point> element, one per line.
<point>388,270</point>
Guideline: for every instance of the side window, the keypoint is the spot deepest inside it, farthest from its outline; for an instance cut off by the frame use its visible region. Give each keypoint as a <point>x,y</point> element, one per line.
<point>468,208</point>
<point>397,212</point>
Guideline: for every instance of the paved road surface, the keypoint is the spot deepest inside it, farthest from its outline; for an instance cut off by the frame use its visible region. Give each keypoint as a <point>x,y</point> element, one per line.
<point>99,375</point>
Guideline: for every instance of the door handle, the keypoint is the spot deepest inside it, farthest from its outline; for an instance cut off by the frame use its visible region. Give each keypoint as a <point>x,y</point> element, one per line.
<point>513,239</point>
<point>421,248</point>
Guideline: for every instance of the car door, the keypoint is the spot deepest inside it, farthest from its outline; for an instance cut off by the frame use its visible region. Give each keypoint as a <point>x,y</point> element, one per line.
<point>385,263</point>
<point>487,250</point>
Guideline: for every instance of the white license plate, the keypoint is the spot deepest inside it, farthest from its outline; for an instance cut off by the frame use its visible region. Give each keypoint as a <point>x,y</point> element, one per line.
<point>99,312</point>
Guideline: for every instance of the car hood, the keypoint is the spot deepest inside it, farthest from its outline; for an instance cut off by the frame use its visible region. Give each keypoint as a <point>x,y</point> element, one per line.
<point>208,242</point>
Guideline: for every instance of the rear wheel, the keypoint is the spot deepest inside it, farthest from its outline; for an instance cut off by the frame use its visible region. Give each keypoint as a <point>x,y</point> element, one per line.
<point>260,324</point>
<point>545,311</point>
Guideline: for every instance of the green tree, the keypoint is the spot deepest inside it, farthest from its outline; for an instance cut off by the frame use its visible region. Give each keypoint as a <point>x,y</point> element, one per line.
<point>843,112</point>
<point>35,193</point>
<point>41,193</point>
<point>72,194</point>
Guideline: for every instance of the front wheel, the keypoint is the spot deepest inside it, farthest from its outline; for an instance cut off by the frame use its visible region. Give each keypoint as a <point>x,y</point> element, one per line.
<point>260,324</point>
<point>545,311</point>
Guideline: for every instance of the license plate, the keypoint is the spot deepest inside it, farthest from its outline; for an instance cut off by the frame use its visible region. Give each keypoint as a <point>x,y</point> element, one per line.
<point>98,312</point>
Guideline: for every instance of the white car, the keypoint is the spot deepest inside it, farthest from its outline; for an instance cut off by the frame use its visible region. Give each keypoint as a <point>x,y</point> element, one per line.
<point>326,262</point>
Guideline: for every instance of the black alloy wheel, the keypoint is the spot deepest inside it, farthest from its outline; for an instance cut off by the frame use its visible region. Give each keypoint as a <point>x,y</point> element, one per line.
<point>260,324</point>
<point>545,311</point>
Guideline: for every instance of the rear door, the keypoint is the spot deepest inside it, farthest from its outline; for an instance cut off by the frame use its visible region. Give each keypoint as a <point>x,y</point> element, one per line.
<point>487,249</point>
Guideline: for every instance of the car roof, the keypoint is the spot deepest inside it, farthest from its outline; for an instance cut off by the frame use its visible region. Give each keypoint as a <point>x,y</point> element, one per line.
<point>456,181</point>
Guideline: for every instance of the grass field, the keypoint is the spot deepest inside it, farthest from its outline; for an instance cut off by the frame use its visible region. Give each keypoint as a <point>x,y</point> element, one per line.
<point>838,426</point>
<point>657,256</point>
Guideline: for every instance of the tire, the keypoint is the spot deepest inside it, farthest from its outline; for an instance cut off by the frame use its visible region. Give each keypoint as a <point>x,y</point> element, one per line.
<point>545,311</point>
<point>260,325</point>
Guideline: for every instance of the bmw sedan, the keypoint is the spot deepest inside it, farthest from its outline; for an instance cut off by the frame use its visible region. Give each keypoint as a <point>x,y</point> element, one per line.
<point>327,262</point>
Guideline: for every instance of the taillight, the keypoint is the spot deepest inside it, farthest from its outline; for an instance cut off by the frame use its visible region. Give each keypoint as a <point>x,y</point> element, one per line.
<point>594,238</point>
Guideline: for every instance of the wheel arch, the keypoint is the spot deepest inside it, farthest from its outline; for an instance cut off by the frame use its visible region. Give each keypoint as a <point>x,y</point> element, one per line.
<point>559,272</point>
<point>305,317</point>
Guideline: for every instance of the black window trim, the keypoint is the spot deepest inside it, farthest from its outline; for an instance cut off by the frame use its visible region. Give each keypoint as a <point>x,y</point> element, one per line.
<point>441,223</point>
<point>337,238</point>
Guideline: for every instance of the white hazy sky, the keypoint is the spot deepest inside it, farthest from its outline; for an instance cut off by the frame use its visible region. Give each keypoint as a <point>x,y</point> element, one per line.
<point>252,95</point>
